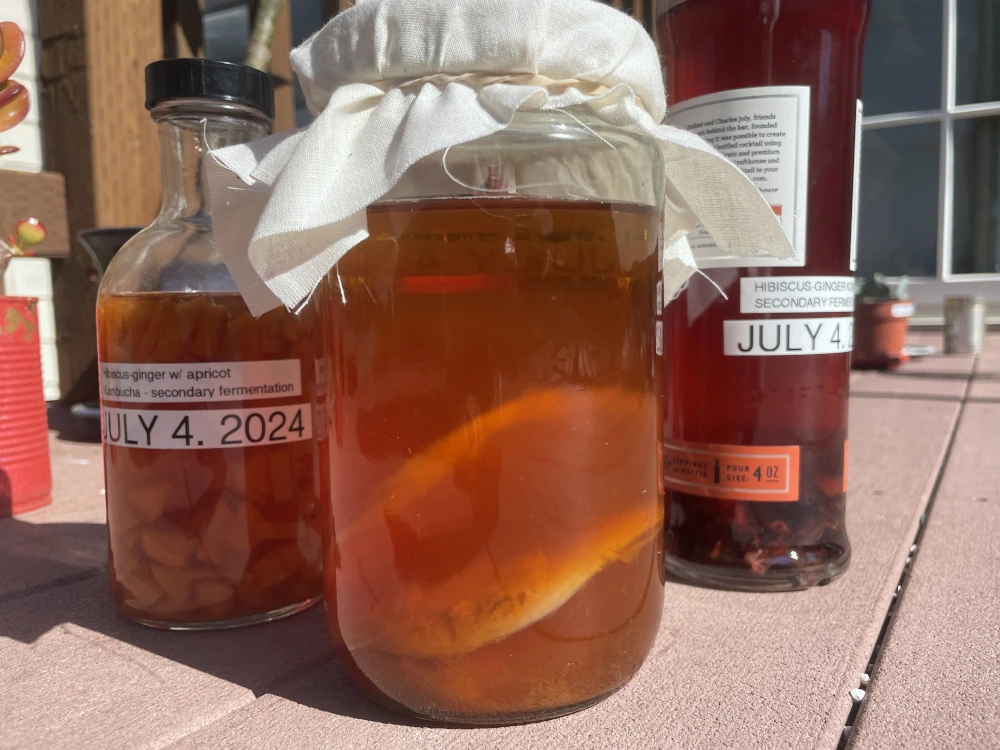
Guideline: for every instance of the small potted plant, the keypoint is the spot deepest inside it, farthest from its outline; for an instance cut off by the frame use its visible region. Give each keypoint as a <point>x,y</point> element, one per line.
<point>27,232</point>
<point>882,312</point>
<point>25,471</point>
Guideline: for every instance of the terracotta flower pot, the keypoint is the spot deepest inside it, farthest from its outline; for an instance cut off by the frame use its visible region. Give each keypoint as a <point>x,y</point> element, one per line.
<point>25,471</point>
<point>880,333</point>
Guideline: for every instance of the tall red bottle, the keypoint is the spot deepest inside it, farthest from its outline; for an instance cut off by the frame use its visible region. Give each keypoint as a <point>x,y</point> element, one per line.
<point>755,450</point>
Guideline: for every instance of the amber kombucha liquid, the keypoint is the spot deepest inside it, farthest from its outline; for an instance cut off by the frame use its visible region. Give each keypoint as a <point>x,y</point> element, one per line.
<point>214,509</point>
<point>495,500</point>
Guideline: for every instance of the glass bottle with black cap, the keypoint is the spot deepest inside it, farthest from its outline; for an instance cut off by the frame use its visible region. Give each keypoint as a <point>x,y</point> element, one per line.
<point>214,421</point>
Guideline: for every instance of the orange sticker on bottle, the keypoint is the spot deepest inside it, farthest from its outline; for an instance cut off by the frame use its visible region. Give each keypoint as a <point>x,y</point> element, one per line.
<point>762,473</point>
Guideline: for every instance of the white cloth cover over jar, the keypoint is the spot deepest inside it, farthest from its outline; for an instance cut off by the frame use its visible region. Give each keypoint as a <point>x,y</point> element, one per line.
<point>393,81</point>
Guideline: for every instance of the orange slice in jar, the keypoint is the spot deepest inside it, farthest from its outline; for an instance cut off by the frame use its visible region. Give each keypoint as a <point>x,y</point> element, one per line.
<point>513,575</point>
<point>418,475</point>
<point>487,603</point>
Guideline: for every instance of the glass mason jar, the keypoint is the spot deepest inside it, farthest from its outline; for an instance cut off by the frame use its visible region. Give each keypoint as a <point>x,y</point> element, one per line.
<point>756,426</point>
<point>214,422</point>
<point>494,550</point>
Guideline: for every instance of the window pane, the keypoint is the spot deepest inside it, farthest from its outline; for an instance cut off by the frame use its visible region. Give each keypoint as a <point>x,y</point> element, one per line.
<point>978,51</point>
<point>227,33</point>
<point>902,71</point>
<point>977,196</point>
<point>212,5</point>
<point>897,230</point>
<point>307,18</point>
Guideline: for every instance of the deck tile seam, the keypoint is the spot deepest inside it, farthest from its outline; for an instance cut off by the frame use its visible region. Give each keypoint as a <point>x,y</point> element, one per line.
<point>860,693</point>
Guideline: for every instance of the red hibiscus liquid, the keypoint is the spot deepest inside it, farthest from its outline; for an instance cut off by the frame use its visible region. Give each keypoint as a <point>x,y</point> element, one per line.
<point>791,407</point>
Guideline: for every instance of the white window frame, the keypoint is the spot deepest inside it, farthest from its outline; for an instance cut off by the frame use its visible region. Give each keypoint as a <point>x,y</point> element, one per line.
<point>928,293</point>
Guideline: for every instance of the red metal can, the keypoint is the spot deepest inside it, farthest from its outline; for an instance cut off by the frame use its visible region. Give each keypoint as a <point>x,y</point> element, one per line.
<point>25,470</point>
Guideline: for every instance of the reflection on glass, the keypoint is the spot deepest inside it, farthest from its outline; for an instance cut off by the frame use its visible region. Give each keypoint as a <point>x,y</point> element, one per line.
<point>897,233</point>
<point>975,247</point>
<point>902,69</point>
<point>978,51</point>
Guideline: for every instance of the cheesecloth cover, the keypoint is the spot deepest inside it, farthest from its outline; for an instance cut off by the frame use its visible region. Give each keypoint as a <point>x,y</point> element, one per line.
<point>393,81</point>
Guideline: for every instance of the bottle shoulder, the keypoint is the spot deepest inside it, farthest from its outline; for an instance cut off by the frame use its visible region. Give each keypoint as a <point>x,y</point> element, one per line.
<point>169,256</point>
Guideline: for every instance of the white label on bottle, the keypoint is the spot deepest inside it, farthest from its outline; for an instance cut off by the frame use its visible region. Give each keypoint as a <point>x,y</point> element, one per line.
<point>659,297</point>
<point>788,337</point>
<point>857,187</point>
<point>779,295</point>
<point>659,338</point>
<point>189,383</point>
<point>765,132</point>
<point>194,429</point>
<point>902,310</point>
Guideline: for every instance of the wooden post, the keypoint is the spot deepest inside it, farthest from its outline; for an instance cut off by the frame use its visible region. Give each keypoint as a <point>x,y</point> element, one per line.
<point>97,133</point>
<point>95,127</point>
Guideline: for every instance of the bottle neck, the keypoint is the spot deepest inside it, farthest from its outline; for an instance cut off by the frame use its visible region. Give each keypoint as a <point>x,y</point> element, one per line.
<point>187,133</point>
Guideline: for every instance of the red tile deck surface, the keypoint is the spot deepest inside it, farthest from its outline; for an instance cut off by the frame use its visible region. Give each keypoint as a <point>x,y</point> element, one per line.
<point>728,670</point>
<point>938,685</point>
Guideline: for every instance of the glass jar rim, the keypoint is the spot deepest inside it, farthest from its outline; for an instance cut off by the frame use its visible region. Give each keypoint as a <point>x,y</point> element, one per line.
<point>546,154</point>
<point>197,106</point>
<point>578,123</point>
